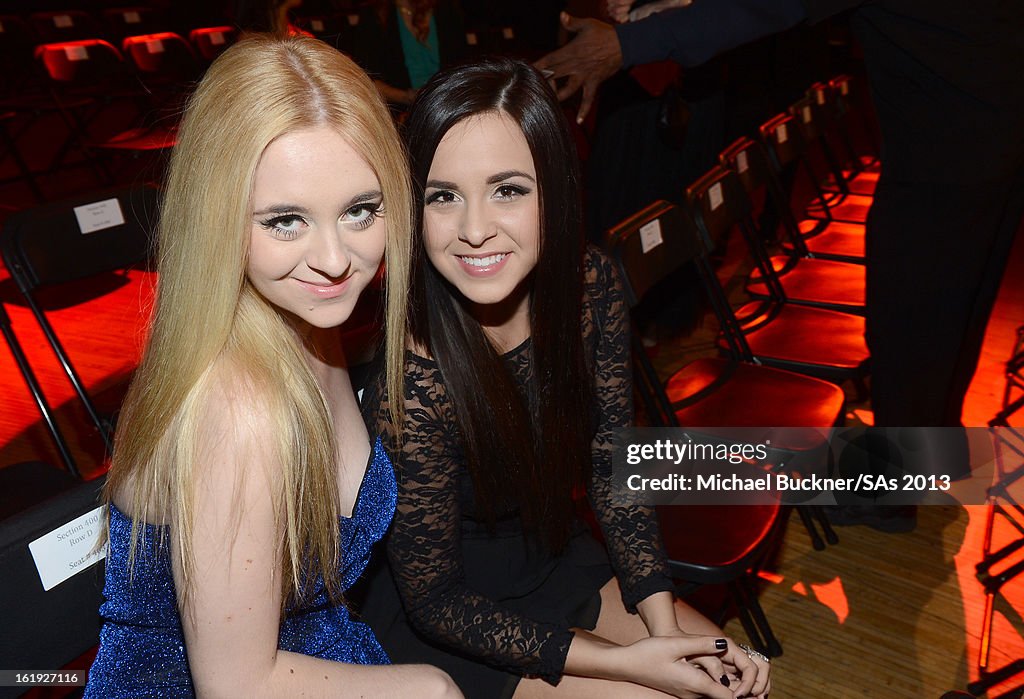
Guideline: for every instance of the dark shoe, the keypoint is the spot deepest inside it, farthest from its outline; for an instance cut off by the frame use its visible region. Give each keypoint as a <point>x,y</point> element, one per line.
<point>888,519</point>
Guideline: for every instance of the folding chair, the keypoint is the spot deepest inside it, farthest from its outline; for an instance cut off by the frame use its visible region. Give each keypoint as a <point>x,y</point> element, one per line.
<point>73,240</point>
<point>95,69</point>
<point>47,626</point>
<point>855,176</point>
<point>841,204</point>
<point>211,42</point>
<point>814,341</point>
<point>806,280</point>
<point>851,115</point>
<point>167,66</point>
<point>825,237</point>
<point>26,100</point>
<point>712,393</point>
<point>25,369</point>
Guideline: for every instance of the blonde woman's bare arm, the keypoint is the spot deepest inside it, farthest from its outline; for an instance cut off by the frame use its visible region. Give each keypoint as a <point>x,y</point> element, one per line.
<point>231,609</point>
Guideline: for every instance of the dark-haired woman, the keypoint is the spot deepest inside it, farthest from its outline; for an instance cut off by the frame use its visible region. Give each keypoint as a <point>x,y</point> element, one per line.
<point>518,377</point>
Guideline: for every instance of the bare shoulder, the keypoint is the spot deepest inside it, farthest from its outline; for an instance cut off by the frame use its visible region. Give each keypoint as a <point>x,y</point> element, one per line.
<point>236,430</point>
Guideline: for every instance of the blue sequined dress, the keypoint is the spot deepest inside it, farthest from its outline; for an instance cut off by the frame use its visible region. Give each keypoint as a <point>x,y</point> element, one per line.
<point>142,649</point>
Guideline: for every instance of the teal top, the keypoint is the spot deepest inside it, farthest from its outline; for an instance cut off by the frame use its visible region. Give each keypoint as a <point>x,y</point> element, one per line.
<point>421,60</point>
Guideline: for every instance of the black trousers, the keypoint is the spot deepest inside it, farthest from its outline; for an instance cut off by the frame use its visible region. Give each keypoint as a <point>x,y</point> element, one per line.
<point>935,256</point>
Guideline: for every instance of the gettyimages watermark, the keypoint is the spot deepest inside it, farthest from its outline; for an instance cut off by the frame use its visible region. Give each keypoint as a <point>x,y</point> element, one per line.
<point>800,465</point>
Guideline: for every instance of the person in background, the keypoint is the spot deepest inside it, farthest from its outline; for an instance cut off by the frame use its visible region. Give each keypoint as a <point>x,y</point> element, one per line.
<point>404,42</point>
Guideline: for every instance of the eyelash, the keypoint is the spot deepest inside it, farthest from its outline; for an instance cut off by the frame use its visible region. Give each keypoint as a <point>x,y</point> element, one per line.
<point>436,197</point>
<point>511,191</point>
<point>374,211</point>
<point>275,222</point>
<point>504,191</point>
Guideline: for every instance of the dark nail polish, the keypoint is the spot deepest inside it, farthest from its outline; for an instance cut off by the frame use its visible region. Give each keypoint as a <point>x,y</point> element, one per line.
<point>724,680</point>
<point>721,644</point>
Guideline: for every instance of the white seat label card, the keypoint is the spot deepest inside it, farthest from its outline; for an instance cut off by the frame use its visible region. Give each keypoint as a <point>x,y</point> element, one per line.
<point>76,53</point>
<point>715,197</point>
<point>69,549</point>
<point>650,236</point>
<point>99,215</point>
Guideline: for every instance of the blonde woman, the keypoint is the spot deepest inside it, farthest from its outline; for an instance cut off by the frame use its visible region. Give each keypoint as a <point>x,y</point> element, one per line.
<point>245,492</point>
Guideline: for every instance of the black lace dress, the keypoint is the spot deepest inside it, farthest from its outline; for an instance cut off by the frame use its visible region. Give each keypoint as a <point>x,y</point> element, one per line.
<point>490,609</point>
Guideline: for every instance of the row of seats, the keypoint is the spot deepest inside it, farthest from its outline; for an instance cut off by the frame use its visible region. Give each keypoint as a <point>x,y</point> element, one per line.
<point>784,349</point>
<point>79,81</point>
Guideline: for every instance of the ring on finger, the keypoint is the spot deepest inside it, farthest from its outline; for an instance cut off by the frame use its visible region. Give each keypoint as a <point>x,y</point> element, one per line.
<point>751,653</point>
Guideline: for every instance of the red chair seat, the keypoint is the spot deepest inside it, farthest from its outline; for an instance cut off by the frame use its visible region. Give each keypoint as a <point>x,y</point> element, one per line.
<point>740,533</point>
<point>800,336</point>
<point>745,395</point>
<point>814,282</point>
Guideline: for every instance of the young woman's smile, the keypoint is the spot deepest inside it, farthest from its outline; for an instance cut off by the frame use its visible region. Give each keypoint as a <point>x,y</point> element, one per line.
<point>481,217</point>
<point>317,234</point>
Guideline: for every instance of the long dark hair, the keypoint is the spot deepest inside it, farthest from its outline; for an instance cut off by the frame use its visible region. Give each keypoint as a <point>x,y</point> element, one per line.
<point>534,457</point>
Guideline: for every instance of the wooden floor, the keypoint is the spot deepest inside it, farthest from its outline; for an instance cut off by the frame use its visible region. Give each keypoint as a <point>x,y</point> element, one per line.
<point>879,615</point>
<point>899,615</point>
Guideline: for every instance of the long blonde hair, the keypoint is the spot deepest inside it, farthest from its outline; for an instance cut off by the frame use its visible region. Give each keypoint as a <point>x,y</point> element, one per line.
<point>206,310</point>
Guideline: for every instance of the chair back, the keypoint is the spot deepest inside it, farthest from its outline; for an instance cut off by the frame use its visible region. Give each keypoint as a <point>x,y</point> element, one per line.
<point>651,245</point>
<point>782,138</point>
<point>164,57</point>
<point>80,237</point>
<point>211,42</point>
<point>756,170</point>
<point>81,62</point>
<point>718,203</point>
<point>751,163</point>
<point>786,143</point>
<point>809,118</point>
<point>48,628</point>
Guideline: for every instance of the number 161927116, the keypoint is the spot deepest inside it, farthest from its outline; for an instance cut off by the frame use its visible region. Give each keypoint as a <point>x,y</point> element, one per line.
<point>34,678</point>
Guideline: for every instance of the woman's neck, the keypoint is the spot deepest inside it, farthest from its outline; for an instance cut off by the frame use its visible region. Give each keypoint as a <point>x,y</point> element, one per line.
<point>325,353</point>
<point>506,324</point>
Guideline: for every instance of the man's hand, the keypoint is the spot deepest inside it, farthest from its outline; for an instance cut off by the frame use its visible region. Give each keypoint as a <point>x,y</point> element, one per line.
<point>588,60</point>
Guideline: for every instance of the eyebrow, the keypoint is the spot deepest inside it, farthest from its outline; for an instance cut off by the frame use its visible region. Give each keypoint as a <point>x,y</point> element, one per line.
<point>493,179</point>
<point>507,175</point>
<point>360,198</point>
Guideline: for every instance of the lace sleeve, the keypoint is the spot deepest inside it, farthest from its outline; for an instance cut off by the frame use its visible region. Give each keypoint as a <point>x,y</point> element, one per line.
<point>631,533</point>
<point>425,546</point>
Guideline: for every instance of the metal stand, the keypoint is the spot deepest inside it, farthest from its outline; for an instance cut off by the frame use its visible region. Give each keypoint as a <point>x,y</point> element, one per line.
<point>1009,453</point>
